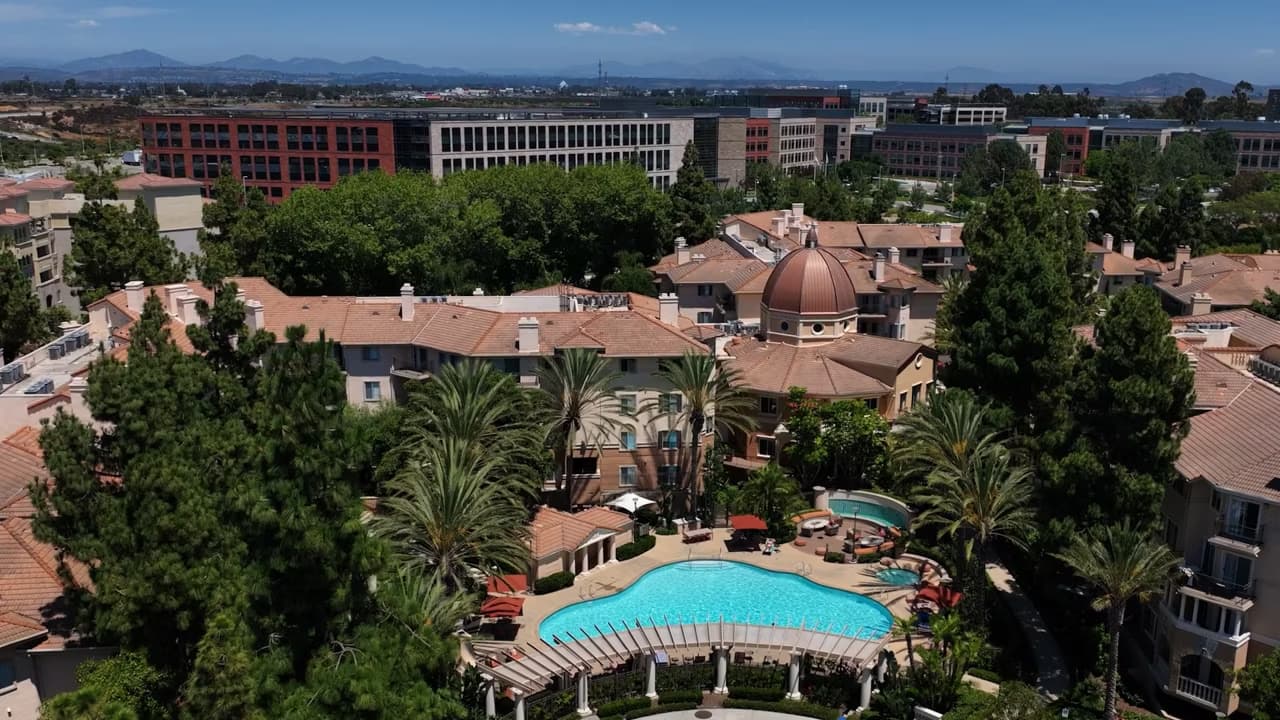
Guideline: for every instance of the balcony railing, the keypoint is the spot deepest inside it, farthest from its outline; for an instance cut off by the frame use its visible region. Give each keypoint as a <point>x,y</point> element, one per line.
<point>1251,534</point>
<point>1265,370</point>
<point>1199,691</point>
<point>1205,582</point>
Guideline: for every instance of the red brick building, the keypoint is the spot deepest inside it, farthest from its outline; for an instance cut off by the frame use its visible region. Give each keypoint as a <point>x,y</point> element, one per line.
<point>274,154</point>
<point>1075,132</point>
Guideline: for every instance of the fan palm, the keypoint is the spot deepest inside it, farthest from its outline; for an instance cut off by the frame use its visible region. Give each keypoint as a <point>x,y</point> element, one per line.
<point>944,434</point>
<point>772,494</point>
<point>1122,563</point>
<point>905,627</point>
<point>448,519</point>
<point>713,400</point>
<point>578,385</point>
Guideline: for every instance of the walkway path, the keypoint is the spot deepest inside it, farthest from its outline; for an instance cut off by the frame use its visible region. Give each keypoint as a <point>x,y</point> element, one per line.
<point>1051,669</point>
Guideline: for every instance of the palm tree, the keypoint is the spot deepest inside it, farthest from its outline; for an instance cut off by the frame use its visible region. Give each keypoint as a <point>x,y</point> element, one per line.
<point>579,387</point>
<point>905,627</point>
<point>772,494</point>
<point>450,518</point>
<point>1122,563</point>
<point>944,434</point>
<point>712,400</point>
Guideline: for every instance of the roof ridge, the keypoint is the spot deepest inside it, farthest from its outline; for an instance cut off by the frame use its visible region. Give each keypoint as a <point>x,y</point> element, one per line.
<point>51,572</point>
<point>675,331</point>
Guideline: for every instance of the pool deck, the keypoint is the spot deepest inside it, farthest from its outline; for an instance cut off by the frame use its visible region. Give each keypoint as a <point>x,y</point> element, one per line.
<point>614,577</point>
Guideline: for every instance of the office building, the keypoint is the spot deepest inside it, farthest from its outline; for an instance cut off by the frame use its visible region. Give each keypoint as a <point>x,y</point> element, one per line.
<point>1075,137</point>
<point>928,151</point>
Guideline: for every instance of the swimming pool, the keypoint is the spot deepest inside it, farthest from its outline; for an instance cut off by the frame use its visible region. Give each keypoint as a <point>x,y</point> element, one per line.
<point>706,590</point>
<point>898,576</point>
<point>865,510</point>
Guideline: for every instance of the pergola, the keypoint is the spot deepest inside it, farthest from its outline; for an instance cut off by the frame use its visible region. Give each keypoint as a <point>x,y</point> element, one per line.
<point>529,669</point>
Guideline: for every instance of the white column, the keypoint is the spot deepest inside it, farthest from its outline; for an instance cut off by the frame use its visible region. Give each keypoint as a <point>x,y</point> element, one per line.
<point>864,700</point>
<point>882,667</point>
<point>519,698</point>
<point>584,702</point>
<point>793,677</point>
<point>490,701</point>
<point>1239,620</point>
<point>722,671</point>
<point>613,549</point>
<point>651,684</point>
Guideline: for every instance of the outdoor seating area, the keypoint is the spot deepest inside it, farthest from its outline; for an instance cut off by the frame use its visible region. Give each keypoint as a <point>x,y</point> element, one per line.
<point>747,533</point>
<point>696,536</point>
<point>503,603</point>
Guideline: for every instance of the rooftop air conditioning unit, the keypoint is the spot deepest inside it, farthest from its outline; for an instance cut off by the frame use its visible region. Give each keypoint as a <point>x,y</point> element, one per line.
<point>56,352</point>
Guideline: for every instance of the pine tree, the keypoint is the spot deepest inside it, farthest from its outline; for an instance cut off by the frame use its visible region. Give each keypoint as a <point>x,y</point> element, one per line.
<point>115,245</point>
<point>692,197</point>
<point>21,320</point>
<point>234,232</point>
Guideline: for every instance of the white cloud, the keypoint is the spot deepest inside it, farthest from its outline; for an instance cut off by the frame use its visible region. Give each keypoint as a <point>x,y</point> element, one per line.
<point>1264,52</point>
<point>85,23</point>
<point>644,27</point>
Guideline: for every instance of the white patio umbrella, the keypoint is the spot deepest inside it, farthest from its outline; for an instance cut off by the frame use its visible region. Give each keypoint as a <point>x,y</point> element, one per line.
<point>630,502</point>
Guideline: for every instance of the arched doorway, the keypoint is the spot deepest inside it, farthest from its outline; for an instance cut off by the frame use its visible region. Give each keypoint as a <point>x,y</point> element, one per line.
<point>1200,678</point>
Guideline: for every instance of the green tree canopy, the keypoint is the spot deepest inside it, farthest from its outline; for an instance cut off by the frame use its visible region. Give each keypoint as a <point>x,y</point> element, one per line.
<point>1173,219</point>
<point>692,196</point>
<point>234,232</point>
<point>21,320</point>
<point>1259,684</point>
<point>986,168</point>
<point>840,444</point>
<point>115,245</point>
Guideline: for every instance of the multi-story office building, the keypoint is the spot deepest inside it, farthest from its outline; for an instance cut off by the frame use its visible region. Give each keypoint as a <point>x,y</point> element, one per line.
<point>874,106</point>
<point>965,113</point>
<point>928,151</point>
<point>835,136</point>
<point>808,98</point>
<point>1257,143</point>
<point>1075,137</point>
<point>280,151</point>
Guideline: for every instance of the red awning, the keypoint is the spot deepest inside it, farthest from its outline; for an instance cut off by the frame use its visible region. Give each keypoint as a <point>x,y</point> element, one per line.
<point>502,606</point>
<point>508,583</point>
<point>747,522</point>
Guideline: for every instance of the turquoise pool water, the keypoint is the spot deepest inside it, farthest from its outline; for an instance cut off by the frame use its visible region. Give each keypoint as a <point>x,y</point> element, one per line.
<point>705,590</point>
<point>898,576</point>
<point>868,511</point>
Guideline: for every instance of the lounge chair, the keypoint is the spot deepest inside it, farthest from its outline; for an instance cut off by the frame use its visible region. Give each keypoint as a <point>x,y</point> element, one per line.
<point>693,536</point>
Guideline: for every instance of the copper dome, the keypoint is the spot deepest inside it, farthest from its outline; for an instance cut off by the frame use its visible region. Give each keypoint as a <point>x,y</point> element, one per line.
<point>810,281</point>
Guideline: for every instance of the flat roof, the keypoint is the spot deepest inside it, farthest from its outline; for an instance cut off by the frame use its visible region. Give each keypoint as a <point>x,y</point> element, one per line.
<point>372,113</point>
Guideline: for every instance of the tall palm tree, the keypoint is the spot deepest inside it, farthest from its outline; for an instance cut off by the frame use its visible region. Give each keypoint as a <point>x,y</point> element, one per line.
<point>1122,563</point>
<point>579,387</point>
<point>905,627</point>
<point>449,518</point>
<point>944,434</point>
<point>712,400</point>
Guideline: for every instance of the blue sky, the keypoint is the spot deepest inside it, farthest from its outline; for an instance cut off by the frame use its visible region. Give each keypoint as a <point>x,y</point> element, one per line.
<point>1084,40</point>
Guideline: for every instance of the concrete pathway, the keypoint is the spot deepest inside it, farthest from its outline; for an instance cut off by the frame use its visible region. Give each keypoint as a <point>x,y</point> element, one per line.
<point>1051,670</point>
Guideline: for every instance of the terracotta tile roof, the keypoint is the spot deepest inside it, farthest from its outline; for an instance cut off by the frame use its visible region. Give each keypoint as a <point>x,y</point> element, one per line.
<point>1216,383</point>
<point>733,271</point>
<point>145,181</point>
<point>1236,447</point>
<point>1230,280</point>
<point>882,236</point>
<point>1248,327</point>
<point>17,470</point>
<point>26,439</point>
<point>1117,264</point>
<point>557,290</point>
<point>48,183</point>
<point>16,627</point>
<point>840,369</point>
<point>11,218</point>
<point>11,191</point>
<point>554,531</point>
<point>715,248</point>
<point>604,517</point>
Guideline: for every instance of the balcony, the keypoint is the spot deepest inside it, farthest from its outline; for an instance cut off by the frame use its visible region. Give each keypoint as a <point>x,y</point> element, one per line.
<point>1245,537</point>
<point>1217,587</point>
<point>1200,692</point>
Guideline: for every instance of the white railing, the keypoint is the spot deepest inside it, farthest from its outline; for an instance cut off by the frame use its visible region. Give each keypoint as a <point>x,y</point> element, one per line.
<point>1199,691</point>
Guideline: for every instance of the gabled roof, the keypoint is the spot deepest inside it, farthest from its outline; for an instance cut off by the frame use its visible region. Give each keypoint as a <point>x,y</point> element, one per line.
<point>1248,328</point>
<point>1229,280</point>
<point>1217,384</point>
<point>1119,264</point>
<point>853,366</point>
<point>555,531</point>
<point>1236,447</point>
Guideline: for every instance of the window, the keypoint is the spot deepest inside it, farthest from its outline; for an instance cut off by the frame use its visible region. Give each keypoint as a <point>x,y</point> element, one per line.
<point>627,365</point>
<point>915,394</point>
<point>372,391</point>
<point>669,475</point>
<point>818,328</point>
<point>705,317</point>
<point>766,446</point>
<point>1170,533</point>
<point>627,476</point>
<point>669,439</point>
<point>785,326</point>
<point>7,675</point>
<point>370,354</point>
<point>705,291</point>
<point>627,439</point>
<point>768,406</point>
<point>670,402</point>
<point>510,366</point>
<point>627,404</point>
<point>902,402</point>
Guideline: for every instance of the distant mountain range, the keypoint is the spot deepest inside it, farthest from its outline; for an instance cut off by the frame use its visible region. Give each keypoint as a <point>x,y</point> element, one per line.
<point>146,66</point>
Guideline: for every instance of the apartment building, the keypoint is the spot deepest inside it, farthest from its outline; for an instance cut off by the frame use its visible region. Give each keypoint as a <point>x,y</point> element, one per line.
<point>27,230</point>
<point>1219,614</point>
<point>279,151</point>
<point>1196,286</point>
<point>1117,268</point>
<point>928,151</point>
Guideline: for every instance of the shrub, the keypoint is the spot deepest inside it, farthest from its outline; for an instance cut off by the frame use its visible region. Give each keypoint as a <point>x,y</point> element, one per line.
<point>789,707</point>
<point>553,582</point>
<point>680,696</point>
<point>869,558</point>
<point>623,706</point>
<point>638,547</point>
<point>834,557</point>
<point>756,693</point>
<point>665,531</point>
<point>659,709</point>
<point>984,674</point>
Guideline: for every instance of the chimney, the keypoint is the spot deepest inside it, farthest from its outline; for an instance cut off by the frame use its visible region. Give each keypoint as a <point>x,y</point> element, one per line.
<point>187,312</point>
<point>133,295</point>
<point>478,292</point>
<point>253,316</point>
<point>780,226</point>
<point>1201,304</point>
<point>1126,249</point>
<point>894,256</point>
<point>241,296</point>
<point>682,251</point>
<point>1184,273</point>
<point>1109,242</point>
<point>669,309</point>
<point>944,233</point>
<point>406,302</point>
<point>171,295</point>
<point>1181,256</point>
<point>527,335</point>
<point>797,212</point>
<point>877,271</point>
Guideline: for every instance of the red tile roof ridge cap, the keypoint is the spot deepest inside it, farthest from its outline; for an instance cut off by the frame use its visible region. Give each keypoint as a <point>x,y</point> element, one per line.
<point>694,344</point>
<point>51,572</point>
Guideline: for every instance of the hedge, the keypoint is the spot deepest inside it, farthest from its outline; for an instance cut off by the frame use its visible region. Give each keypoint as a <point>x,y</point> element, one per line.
<point>790,707</point>
<point>623,706</point>
<point>665,531</point>
<point>553,582</point>
<point>638,547</point>
<point>680,696</point>
<point>833,557</point>
<point>756,693</point>
<point>659,709</point>
<point>984,674</point>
